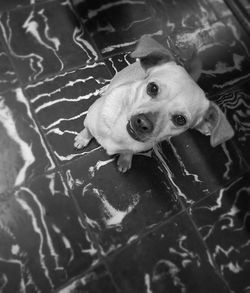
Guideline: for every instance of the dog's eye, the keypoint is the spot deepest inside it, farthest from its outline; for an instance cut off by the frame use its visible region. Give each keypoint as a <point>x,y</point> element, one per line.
<point>179,120</point>
<point>152,89</point>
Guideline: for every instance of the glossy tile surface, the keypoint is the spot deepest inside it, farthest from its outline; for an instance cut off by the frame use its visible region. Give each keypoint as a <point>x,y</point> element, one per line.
<point>178,221</point>
<point>60,104</point>
<point>116,25</point>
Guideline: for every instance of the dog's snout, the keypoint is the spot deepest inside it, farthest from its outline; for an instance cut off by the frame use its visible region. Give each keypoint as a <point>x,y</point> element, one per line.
<point>142,124</point>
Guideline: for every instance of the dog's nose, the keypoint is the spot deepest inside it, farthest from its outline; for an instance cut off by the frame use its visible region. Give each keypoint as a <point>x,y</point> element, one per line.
<point>141,123</point>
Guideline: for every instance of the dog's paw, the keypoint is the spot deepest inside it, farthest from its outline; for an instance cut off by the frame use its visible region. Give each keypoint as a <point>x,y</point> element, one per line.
<point>80,141</point>
<point>124,163</point>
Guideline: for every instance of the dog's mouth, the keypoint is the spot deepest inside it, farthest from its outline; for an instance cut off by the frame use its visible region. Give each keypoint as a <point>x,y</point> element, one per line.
<point>133,133</point>
<point>140,127</point>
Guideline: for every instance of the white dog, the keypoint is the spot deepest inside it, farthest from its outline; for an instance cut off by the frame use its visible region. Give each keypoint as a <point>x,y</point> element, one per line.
<point>149,101</point>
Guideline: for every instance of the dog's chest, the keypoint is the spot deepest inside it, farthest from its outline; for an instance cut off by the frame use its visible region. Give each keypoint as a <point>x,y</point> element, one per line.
<point>116,141</point>
<point>113,141</point>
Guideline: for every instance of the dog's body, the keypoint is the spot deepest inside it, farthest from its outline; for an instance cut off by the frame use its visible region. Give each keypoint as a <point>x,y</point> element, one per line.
<point>147,102</point>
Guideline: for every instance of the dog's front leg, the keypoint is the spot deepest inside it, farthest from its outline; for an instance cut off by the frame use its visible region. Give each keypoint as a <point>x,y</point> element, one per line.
<point>124,162</point>
<point>83,138</point>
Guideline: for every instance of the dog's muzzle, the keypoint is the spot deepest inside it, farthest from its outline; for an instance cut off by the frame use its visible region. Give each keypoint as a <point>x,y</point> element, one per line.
<point>140,127</point>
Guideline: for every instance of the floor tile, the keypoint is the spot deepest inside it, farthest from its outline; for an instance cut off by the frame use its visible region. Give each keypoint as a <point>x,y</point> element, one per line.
<point>195,168</point>
<point>224,54</point>
<point>95,281</point>
<point>178,263</point>
<point>61,103</point>
<point>37,44</point>
<point>23,152</point>
<point>43,241</point>
<point>226,60</point>
<point>224,223</point>
<point>8,78</point>
<point>236,103</point>
<point>116,25</point>
<point>119,207</point>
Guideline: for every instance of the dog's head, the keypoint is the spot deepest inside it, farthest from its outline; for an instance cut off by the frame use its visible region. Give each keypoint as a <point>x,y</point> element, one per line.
<point>168,101</point>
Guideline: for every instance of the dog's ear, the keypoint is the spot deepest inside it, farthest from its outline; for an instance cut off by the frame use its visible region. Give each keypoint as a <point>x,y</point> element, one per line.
<point>151,53</point>
<point>216,125</point>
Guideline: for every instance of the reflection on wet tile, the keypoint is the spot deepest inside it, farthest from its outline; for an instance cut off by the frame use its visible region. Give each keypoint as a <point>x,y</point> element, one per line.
<point>120,207</point>
<point>95,281</point>
<point>223,220</point>
<point>115,26</point>
<point>171,258</point>
<point>23,151</point>
<point>38,45</point>
<point>61,103</point>
<point>43,241</point>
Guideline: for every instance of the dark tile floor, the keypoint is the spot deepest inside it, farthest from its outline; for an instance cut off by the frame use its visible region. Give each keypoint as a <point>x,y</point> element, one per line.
<point>179,220</point>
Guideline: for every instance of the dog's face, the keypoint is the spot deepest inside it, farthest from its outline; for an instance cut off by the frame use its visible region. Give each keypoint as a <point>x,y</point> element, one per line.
<point>165,103</point>
<point>168,101</point>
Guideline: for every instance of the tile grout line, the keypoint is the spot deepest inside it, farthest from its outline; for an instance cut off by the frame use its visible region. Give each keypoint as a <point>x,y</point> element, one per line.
<point>104,258</point>
<point>23,86</point>
<point>49,75</point>
<point>214,264</point>
<point>91,235</point>
<point>59,166</point>
<point>63,175</point>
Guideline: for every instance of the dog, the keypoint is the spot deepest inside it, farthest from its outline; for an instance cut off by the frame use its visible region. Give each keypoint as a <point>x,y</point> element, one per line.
<point>149,101</point>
